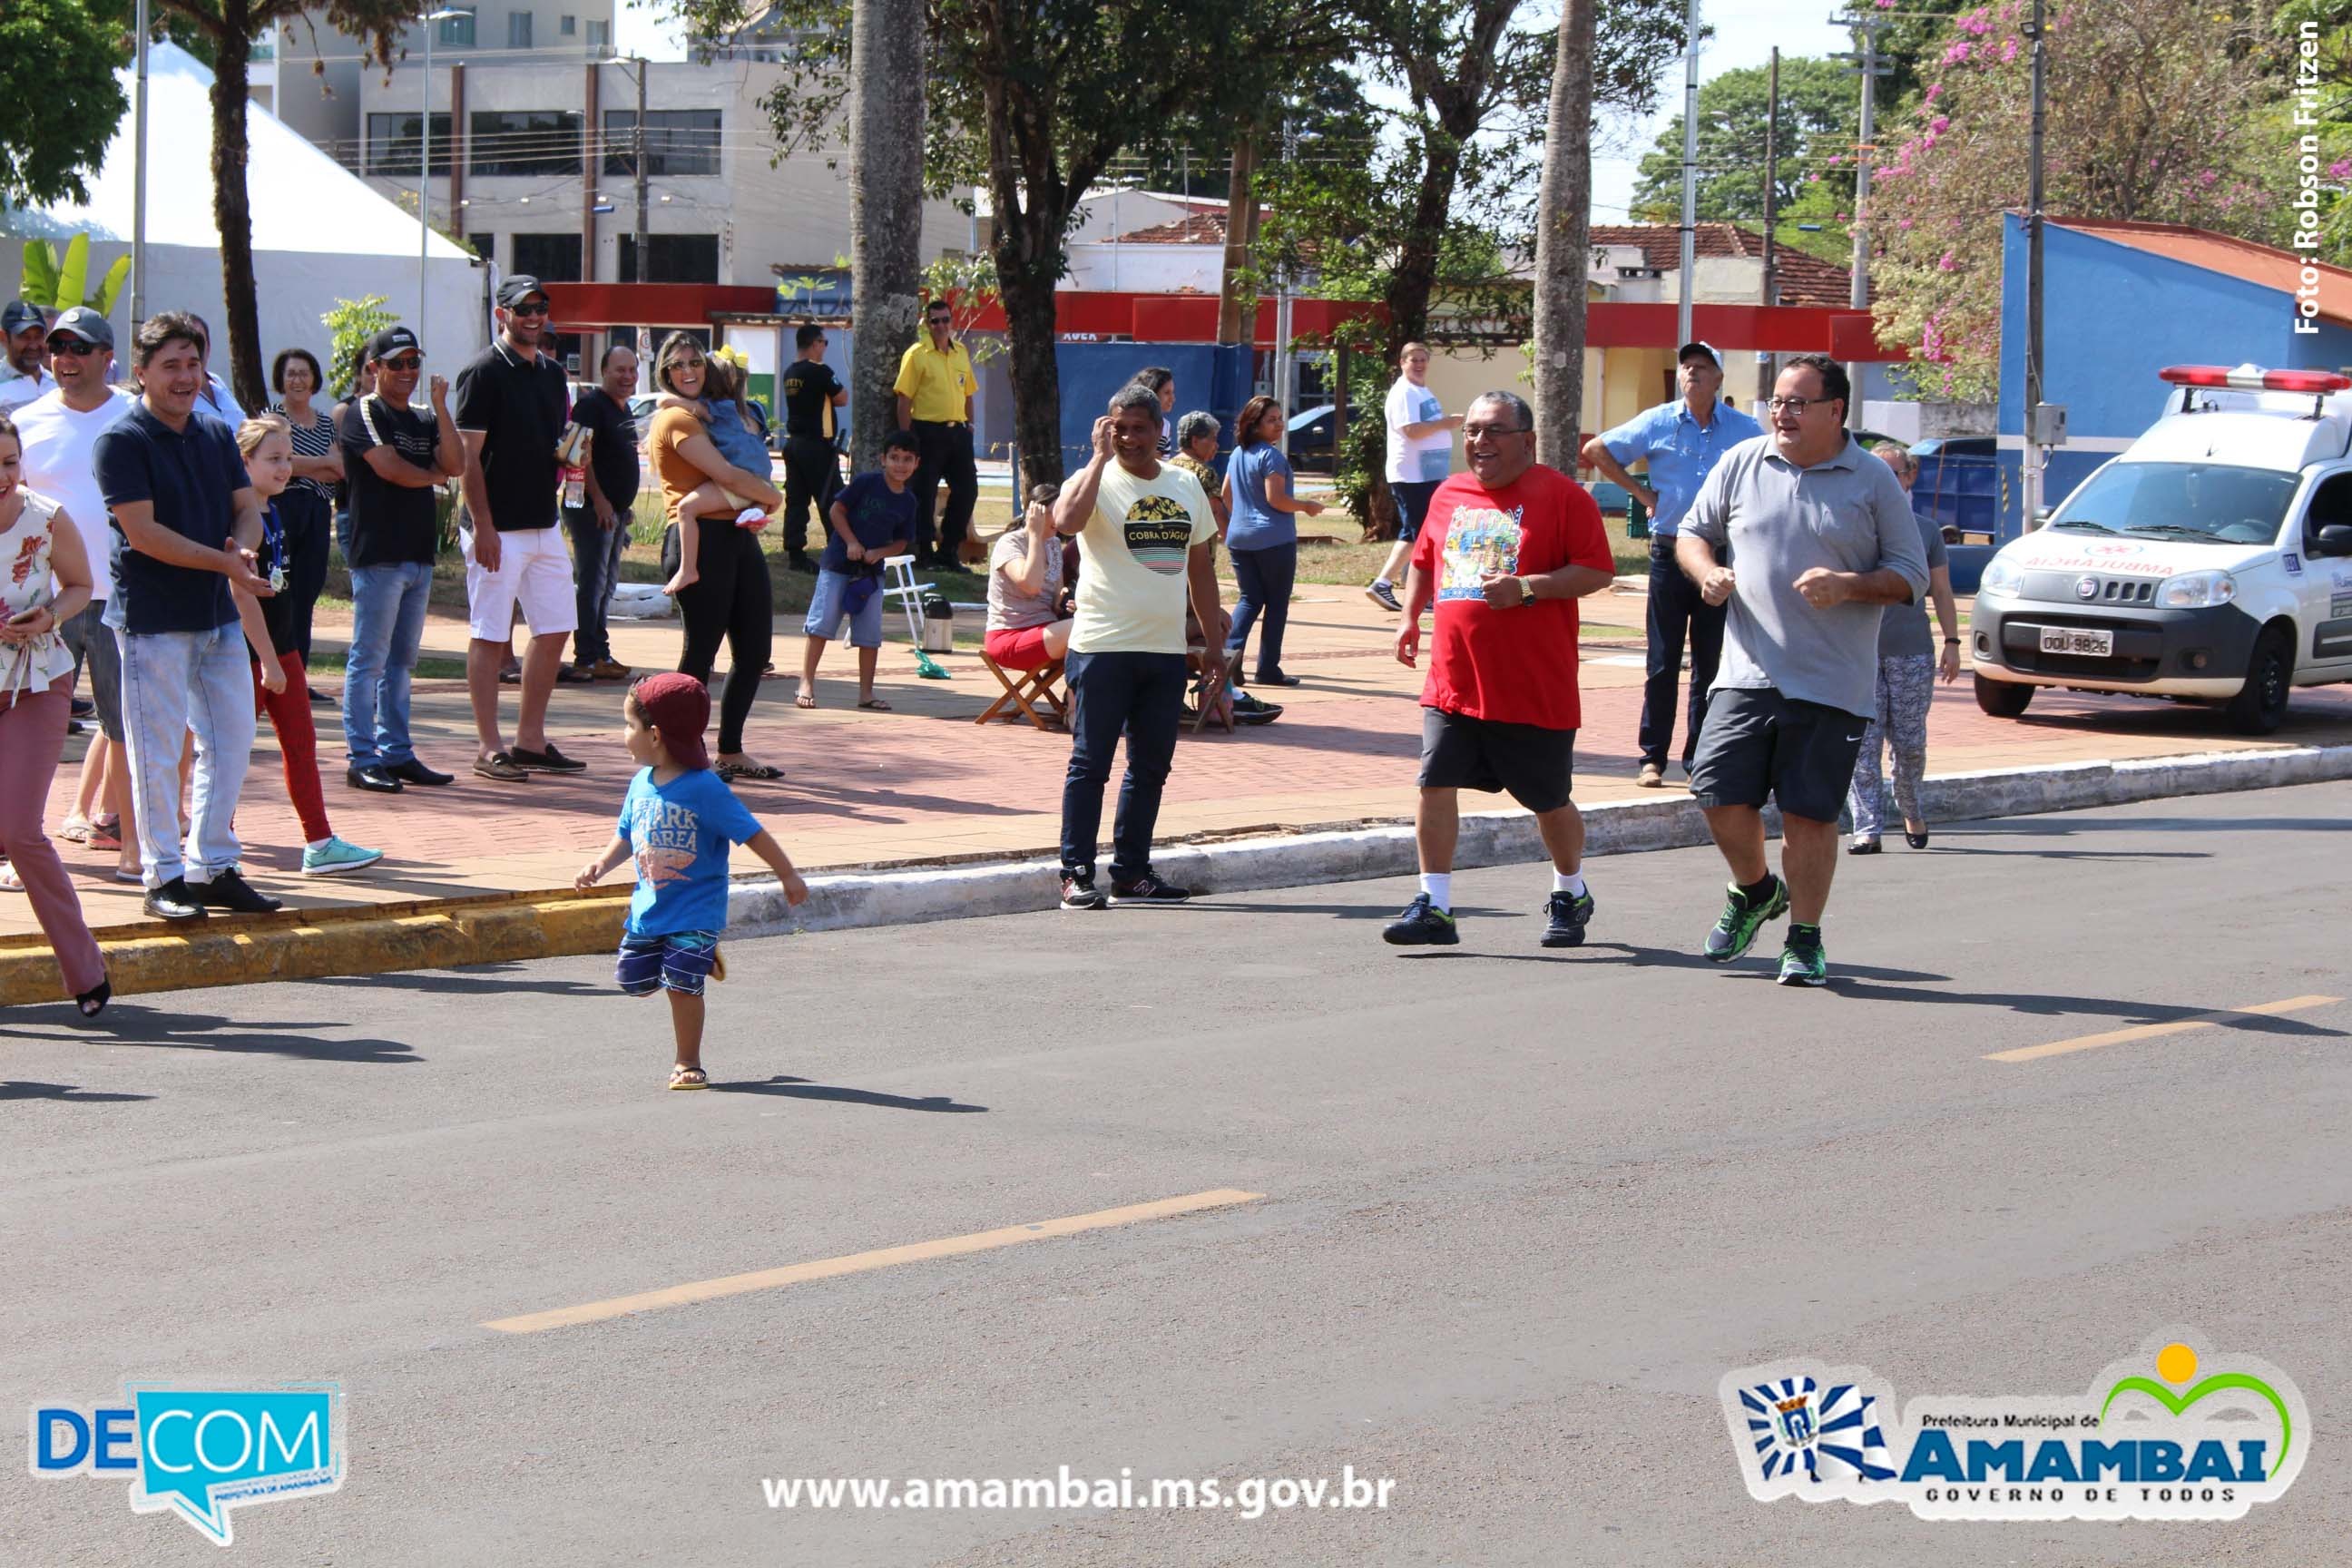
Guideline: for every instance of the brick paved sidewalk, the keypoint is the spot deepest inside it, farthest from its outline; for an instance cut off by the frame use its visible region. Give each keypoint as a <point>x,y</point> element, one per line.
<point>923,782</point>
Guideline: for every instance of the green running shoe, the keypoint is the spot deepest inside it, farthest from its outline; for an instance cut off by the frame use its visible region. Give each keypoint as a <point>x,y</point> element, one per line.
<point>1735,934</point>
<point>1803,963</point>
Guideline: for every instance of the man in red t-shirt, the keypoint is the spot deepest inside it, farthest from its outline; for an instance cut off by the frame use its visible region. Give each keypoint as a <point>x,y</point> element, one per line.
<point>1506,552</point>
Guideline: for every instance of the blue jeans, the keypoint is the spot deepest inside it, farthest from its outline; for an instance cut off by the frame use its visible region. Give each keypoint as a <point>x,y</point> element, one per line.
<point>1264,576</point>
<point>1143,695</point>
<point>595,567</point>
<point>174,683</point>
<point>387,625</point>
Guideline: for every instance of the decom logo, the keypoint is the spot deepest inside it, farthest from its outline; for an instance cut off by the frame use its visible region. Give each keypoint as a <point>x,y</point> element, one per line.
<point>2202,1437</point>
<point>200,1452</point>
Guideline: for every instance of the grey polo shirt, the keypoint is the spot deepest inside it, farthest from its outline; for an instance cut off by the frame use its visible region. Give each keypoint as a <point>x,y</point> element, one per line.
<point>1780,521</point>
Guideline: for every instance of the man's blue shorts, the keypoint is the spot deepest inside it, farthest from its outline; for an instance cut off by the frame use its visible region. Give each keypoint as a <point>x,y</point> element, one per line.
<point>679,960</point>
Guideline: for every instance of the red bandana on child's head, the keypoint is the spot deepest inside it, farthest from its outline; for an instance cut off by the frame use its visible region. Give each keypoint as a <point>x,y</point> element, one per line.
<point>678,708</point>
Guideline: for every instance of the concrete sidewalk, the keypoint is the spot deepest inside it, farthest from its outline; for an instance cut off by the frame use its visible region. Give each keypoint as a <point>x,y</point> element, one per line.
<point>923,783</point>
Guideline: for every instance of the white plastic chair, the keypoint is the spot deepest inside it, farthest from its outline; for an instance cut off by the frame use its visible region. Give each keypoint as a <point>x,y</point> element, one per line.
<point>899,579</point>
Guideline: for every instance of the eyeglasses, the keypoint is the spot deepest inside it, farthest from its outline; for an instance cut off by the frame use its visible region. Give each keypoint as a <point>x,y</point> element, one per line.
<point>527,309</point>
<point>1798,405</point>
<point>406,365</point>
<point>942,321</point>
<point>73,348</point>
<point>1478,432</point>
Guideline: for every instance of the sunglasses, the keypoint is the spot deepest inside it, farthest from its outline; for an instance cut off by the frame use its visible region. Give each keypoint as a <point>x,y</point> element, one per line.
<point>942,321</point>
<point>404,364</point>
<point>73,348</point>
<point>527,309</point>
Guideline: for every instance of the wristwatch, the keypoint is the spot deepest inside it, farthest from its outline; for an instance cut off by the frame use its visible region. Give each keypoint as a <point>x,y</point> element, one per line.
<point>1527,591</point>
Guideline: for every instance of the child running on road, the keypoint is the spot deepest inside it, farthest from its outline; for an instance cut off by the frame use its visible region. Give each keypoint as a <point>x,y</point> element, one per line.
<point>677,822</point>
<point>279,688</point>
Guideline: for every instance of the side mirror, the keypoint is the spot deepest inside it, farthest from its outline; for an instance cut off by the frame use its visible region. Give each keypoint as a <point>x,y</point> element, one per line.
<point>2040,518</point>
<point>2336,538</point>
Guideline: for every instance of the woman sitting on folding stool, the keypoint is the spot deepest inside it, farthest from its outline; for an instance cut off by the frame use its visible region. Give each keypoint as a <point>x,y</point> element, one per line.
<point>1027,628</point>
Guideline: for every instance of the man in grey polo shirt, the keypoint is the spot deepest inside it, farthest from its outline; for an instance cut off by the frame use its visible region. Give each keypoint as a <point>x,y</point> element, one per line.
<point>1805,535</point>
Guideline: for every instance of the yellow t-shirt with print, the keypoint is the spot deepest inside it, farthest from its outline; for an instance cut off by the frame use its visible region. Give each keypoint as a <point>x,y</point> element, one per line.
<point>1132,558</point>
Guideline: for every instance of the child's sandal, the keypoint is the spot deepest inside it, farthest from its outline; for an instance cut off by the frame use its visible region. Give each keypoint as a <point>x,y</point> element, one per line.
<point>688,1077</point>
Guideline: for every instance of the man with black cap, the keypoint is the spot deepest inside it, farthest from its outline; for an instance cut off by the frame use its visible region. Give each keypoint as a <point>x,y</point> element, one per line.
<point>393,459</point>
<point>511,402</point>
<point>1681,441</point>
<point>24,325</point>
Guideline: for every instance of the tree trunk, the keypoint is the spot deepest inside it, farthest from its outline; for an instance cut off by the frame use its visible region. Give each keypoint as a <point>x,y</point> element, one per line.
<point>233,209</point>
<point>1028,260</point>
<point>885,212</point>
<point>1237,309</point>
<point>1563,236</point>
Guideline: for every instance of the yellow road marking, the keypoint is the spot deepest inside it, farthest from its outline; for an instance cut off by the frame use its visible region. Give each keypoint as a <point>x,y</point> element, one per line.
<point>862,1262</point>
<point>2150,1031</point>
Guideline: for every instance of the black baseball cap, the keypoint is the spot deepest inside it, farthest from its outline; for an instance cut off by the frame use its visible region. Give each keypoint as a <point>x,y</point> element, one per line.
<point>1695,347</point>
<point>19,314</point>
<point>390,342</point>
<point>518,287</point>
<point>87,324</point>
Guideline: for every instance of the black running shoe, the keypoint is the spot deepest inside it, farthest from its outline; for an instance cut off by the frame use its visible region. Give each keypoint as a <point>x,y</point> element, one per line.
<point>1079,892</point>
<point>1570,913</point>
<point>1147,888</point>
<point>232,892</point>
<point>1422,924</point>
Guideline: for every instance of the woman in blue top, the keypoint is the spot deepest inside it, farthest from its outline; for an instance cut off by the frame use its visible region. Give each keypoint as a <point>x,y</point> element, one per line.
<point>1263,539</point>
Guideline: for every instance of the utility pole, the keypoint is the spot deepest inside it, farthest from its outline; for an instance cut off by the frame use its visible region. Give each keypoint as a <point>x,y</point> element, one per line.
<point>1867,62</point>
<point>644,223</point>
<point>138,178</point>
<point>1690,174</point>
<point>1764,357</point>
<point>2034,453</point>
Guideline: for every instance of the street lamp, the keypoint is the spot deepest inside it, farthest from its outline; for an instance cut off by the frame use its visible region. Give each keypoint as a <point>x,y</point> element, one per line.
<point>424,164</point>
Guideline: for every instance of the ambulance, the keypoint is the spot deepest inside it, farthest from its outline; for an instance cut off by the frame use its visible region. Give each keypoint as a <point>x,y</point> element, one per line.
<point>2209,562</point>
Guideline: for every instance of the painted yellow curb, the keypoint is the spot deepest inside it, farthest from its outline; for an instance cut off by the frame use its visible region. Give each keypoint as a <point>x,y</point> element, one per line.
<point>300,944</point>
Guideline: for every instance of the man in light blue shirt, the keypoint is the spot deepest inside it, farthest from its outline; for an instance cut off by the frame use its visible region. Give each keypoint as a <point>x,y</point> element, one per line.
<point>1681,441</point>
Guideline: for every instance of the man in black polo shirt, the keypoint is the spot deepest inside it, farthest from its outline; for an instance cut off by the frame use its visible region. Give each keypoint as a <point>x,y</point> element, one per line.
<point>393,457</point>
<point>511,400</point>
<point>811,392</point>
<point>186,522</point>
<point>599,530</point>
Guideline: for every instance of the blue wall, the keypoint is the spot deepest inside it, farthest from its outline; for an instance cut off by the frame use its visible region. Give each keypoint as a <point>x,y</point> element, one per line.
<point>2111,317</point>
<point>1217,378</point>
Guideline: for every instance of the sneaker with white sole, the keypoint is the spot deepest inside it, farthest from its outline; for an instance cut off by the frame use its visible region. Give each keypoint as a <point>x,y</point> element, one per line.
<point>1383,595</point>
<point>336,854</point>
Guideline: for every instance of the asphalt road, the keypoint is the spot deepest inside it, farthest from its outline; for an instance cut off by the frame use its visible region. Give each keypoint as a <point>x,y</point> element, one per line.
<point>1520,1211</point>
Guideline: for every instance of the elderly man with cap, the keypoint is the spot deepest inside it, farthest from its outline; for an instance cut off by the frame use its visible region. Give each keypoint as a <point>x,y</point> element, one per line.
<point>25,326</point>
<point>60,430</point>
<point>1682,442</point>
<point>512,398</point>
<point>393,459</point>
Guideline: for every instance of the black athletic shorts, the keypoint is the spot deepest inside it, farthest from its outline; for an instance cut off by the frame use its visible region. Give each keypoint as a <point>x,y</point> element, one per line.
<point>1534,763</point>
<point>1757,742</point>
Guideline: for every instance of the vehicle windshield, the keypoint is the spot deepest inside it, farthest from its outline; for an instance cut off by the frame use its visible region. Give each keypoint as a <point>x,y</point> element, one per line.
<point>2211,503</point>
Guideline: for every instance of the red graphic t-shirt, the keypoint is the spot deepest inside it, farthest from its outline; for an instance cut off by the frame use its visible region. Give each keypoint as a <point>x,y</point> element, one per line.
<point>1514,665</point>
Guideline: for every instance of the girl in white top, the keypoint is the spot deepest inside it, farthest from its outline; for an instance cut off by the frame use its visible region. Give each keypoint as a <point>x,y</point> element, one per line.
<point>43,581</point>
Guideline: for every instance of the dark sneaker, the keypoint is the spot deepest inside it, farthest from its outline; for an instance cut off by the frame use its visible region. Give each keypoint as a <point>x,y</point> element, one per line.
<point>1248,709</point>
<point>1147,888</point>
<point>1802,961</point>
<point>1422,924</point>
<point>1383,595</point>
<point>550,760</point>
<point>376,780</point>
<point>1735,934</point>
<point>1079,892</point>
<point>574,675</point>
<point>173,901</point>
<point>232,892</point>
<point>1570,913</point>
<point>416,773</point>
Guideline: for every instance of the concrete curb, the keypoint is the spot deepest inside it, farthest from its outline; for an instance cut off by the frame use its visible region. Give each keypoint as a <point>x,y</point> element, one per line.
<point>506,927</point>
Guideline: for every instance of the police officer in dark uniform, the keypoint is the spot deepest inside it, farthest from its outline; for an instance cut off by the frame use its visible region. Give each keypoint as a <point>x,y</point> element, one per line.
<point>810,393</point>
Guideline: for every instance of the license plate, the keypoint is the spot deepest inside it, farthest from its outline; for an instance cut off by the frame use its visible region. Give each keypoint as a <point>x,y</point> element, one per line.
<point>2080,641</point>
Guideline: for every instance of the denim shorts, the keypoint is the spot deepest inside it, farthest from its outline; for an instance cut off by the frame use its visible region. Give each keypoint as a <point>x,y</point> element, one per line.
<point>825,611</point>
<point>679,961</point>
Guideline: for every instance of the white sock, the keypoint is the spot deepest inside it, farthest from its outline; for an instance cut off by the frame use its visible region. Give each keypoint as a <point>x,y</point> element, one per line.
<point>323,843</point>
<point>1568,882</point>
<point>1382,582</point>
<point>1439,886</point>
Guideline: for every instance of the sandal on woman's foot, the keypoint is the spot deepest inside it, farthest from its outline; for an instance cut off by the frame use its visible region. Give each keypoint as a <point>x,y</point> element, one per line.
<point>757,772</point>
<point>688,1077</point>
<point>93,1000</point>
<point>805,699</point>
<point>75,829</point>
<point>8,877</point>
<point>875,705</point>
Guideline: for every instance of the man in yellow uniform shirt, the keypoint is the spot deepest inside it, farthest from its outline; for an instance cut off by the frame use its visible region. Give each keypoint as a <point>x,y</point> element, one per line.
<point>935,390</point>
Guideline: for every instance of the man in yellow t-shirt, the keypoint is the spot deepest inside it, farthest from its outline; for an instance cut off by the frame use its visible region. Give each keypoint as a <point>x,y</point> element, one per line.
<point>935,388</point>
<point>1146,540</point>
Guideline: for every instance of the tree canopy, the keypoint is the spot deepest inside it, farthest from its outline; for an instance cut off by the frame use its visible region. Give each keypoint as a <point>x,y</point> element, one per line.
<point>1821,113</point>
<point>58,60</point>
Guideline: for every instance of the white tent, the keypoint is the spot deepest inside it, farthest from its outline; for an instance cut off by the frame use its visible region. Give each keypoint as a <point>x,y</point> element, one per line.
<point>319,232</point>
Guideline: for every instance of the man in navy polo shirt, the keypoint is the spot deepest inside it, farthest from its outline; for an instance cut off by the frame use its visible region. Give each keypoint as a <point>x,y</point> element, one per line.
<point>185,524</point>
<point>1681,441</point>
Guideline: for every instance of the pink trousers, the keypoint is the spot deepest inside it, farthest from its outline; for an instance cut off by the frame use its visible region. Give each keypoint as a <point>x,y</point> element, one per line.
<point>32,739</point>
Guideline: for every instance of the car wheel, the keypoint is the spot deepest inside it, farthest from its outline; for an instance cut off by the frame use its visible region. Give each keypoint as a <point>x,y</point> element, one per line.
<point>2003,698</point>
<point>2259,706</point>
